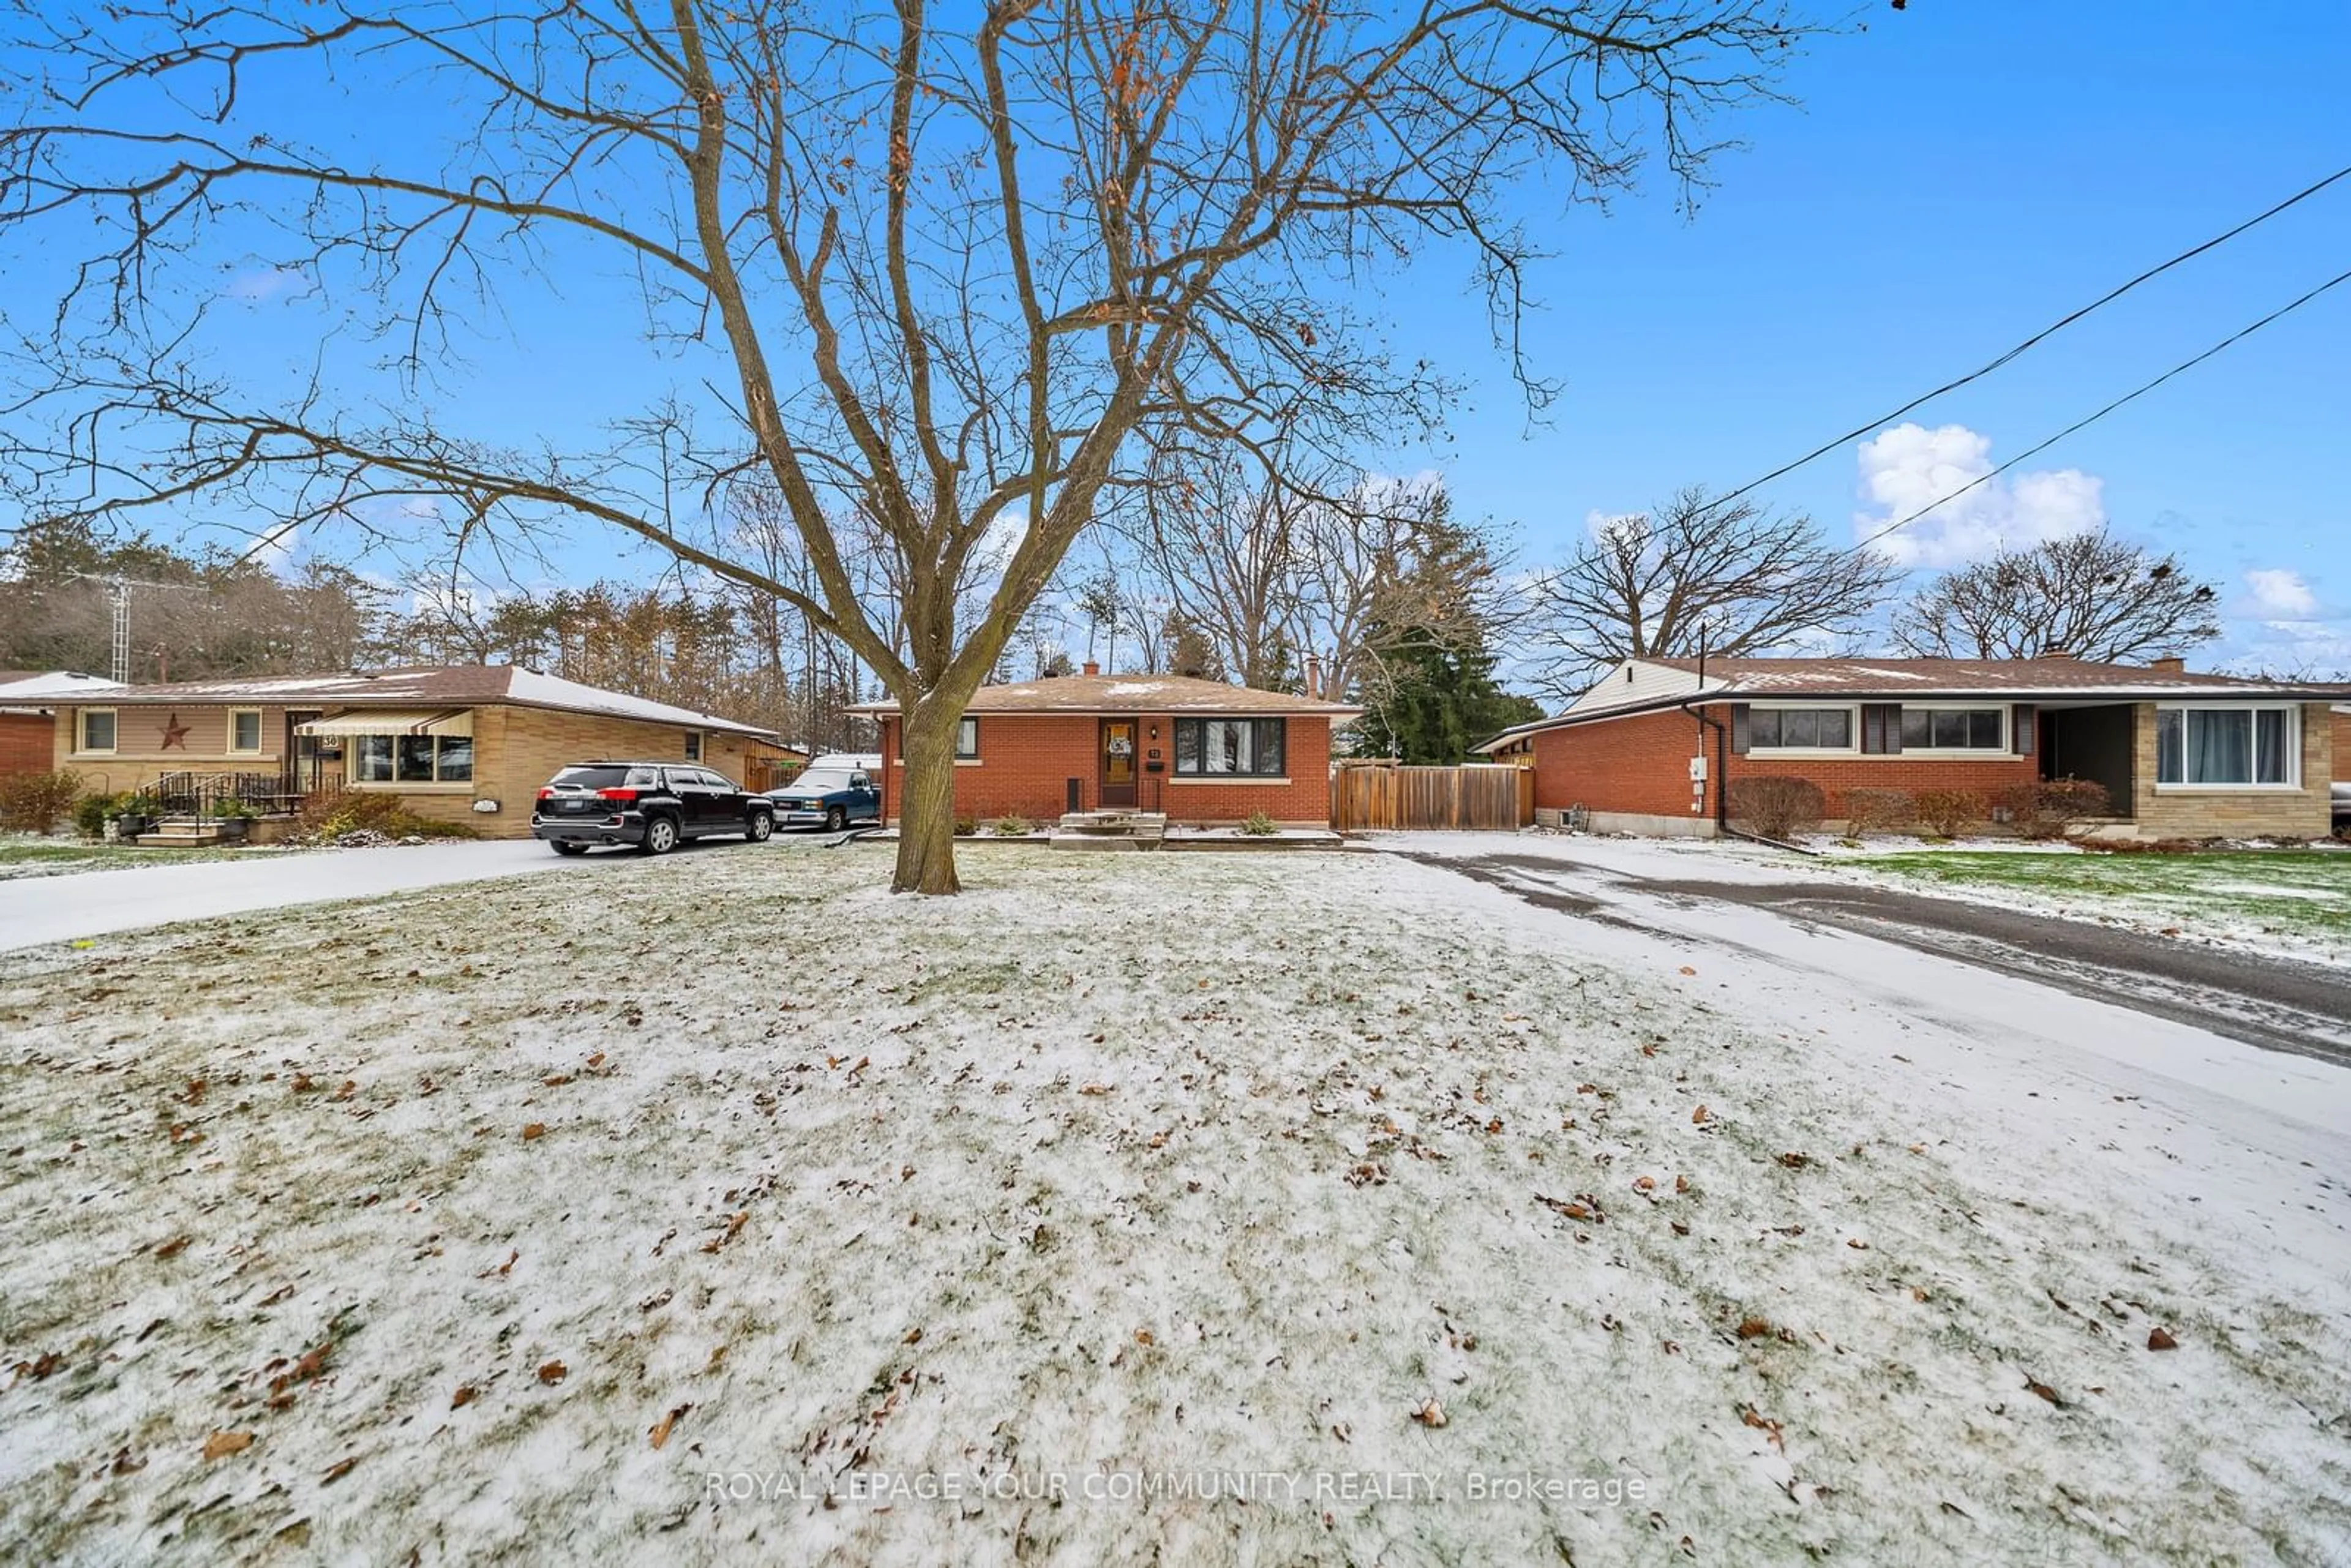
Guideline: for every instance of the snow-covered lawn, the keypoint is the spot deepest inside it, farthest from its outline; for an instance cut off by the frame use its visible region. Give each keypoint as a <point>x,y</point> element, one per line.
<point>26,855</point>
<point>624,1214</point>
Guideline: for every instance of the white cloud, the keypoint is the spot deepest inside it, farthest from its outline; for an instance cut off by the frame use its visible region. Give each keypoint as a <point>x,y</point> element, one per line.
<point>2280,594</point>
<point>257,285</point>
<point>1910,467</point>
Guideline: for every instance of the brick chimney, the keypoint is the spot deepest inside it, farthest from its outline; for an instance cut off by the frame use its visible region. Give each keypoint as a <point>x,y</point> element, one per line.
<point>2174,666</point>
<point>1093,668</point>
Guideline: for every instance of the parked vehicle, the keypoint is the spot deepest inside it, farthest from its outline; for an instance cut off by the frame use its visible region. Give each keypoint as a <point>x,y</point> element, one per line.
<point>654,806</point>
<point>831,792</point>
<point>2342,797</point>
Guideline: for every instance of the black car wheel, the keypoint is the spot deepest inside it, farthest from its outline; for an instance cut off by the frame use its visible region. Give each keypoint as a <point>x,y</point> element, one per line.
<point>661,835</point>
<point>761,826</point>
<point>835,819</point>
<point>563,848</point>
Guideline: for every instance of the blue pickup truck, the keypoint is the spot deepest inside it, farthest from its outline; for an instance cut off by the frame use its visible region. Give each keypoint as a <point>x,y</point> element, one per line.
<point>832,793</point>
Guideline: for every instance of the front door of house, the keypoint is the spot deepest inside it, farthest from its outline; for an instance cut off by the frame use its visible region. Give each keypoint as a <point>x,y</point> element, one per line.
<point>1118,762</point>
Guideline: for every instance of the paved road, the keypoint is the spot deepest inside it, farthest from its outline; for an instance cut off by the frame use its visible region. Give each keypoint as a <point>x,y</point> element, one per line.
<point>2276,1003</point>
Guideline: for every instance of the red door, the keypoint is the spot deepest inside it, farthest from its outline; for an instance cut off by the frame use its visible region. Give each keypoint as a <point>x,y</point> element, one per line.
<point>1118,762</point>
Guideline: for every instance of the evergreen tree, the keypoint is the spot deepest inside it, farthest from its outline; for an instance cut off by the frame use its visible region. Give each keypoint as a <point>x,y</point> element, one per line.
<point>1439,702</point>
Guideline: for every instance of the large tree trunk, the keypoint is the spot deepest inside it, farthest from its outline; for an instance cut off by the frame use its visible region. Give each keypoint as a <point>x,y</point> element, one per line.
<point>926,798</point>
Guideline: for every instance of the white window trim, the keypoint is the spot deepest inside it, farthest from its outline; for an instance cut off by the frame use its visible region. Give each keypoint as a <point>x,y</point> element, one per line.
<point>81,732</point>
<point>1238,780</point>
<point>1853,728</point>
<point>260,735</point>
<point>2007,747</point>
<point>2293,742</point>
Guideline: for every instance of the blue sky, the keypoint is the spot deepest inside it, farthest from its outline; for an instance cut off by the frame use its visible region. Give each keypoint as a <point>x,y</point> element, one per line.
<point>1954,177</point>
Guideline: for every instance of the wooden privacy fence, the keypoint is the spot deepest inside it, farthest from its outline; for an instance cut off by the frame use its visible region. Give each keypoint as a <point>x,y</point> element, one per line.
<point>1486,796</point>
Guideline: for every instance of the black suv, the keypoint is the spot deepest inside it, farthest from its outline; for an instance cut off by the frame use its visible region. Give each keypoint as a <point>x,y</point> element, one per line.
<point>652,805</point>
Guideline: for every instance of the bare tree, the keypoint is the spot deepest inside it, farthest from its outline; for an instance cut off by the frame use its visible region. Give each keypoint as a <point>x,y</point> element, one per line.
<point>946,270</point>
<point>2091,595</point>
<point>1735,578</point>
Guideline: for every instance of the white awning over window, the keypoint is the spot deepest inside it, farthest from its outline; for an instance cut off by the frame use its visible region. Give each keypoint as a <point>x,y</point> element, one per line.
<point>387,721</point>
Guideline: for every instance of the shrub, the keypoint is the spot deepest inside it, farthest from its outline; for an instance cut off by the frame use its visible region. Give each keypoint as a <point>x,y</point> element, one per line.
<point>32,802</point>
<point>965,827</point>
<point>1778,808</point>
<point>1012,825</point>
<point>1949,812</point>
<point>324,819</point>
<point>2046,810</point>
<point>1258,825</point>
<point>1879,811</point>
<point>2065,801</point>
<point>92,812</point>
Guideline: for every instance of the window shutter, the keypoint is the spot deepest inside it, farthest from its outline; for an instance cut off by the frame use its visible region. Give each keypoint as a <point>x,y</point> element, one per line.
<point>1881,728</point>
<point>2023,722</point>
<point>1739,728</point>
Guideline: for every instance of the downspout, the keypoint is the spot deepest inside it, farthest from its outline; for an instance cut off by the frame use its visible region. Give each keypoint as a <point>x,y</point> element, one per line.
<point>1717,780</point>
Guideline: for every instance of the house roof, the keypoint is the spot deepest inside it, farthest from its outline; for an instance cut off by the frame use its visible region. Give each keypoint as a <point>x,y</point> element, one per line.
<point>1134,693</point>
<point>446,685</point>
<point>37,686</point>
<point>1640,686</point>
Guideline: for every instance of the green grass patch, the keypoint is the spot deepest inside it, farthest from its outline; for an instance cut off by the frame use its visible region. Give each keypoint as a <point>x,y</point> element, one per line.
<point>2300,889</point>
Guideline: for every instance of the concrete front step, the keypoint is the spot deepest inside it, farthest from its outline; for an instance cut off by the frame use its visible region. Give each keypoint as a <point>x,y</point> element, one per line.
<point>172,838</point>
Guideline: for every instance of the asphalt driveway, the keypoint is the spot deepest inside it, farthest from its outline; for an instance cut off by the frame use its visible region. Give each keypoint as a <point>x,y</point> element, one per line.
<point>2277,1003</point>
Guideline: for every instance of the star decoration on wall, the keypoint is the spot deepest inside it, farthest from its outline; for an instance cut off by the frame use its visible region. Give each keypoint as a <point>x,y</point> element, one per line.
<point>174,731</point>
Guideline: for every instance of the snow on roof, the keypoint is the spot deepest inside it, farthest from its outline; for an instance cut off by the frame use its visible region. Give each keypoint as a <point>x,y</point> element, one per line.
<point>553,691</point>
<point>452,685</point>
<point>1639,685</point>
<point>1129,693</point>
<point>45,686</point>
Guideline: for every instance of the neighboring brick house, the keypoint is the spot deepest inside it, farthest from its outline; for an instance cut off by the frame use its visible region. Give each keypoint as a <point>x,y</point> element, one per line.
<point>469,743</point>
<point>28,707</point>
<point>1201,751</point>
<point>1655,745</point>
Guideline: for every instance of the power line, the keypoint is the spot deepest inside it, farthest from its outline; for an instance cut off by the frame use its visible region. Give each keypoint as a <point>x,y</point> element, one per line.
<point>2092,419</point>
<point>2051,331</point>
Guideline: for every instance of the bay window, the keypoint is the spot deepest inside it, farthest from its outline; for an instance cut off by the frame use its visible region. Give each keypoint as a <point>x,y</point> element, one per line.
<point>2213,745</point>
<point>412,758</point>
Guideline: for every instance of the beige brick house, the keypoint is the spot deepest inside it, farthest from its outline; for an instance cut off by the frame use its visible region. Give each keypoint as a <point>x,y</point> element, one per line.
<point>469,743</point>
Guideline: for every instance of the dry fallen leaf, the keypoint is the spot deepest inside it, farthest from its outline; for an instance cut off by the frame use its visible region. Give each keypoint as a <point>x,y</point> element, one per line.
<point>337,1471</point>
<point>554,1372</point>
<point>463,1397</point>
<point>661,1428</point>
<point>222,1444</point>
<point>2160,1339</point>
<point>534,1130</point>
<point>1431,1415</point>
<point>172,1248</point>
<point>1688,970</point>
<point>1700,1116</point>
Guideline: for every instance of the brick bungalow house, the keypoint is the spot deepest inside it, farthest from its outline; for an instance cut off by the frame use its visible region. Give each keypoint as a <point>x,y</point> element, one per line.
<point>29,706</point>
<point>468,743</point>
<point>1201,751</point>
<point>1651,745</point>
